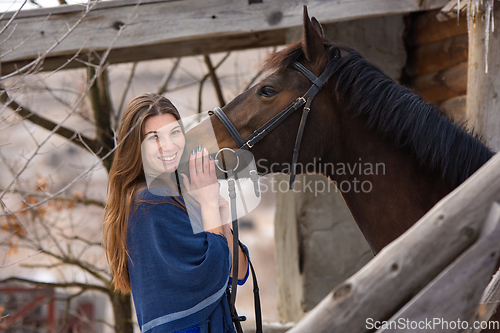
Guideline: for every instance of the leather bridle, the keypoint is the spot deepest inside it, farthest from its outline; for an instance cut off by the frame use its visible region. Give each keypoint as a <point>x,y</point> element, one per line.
<point>302,102</point>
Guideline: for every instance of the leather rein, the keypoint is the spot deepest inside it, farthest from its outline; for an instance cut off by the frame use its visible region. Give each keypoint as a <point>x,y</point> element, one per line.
<point>303,102</point>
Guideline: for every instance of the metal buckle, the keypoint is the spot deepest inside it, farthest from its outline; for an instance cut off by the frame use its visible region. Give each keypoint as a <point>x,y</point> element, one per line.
<point>248,142</point>
<point>297,102</point>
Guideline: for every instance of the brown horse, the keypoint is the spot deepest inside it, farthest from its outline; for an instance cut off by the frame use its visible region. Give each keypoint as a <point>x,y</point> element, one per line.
<point>363,128</point>
<point>359,121</point>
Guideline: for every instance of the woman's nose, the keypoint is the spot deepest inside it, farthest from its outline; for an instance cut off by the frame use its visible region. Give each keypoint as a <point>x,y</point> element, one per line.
<point>166,144</point>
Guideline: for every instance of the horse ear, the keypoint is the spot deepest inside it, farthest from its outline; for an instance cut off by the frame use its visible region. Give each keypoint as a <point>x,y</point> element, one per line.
<point>312,41</point>
<point>317,26</point>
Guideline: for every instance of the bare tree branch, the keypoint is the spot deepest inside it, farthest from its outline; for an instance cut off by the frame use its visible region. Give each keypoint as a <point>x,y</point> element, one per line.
<point>256,76</point>
<point>125,91</point>
<point>168,78</point>
<point>71,135</point>
<point>13,17</point>
<point>68,305</point>
<point>102,109</point>
<point>203,79</point>
<point>215,80</point>
<point>35,3</point>
<point>80,99</point>
<point>35,64</point>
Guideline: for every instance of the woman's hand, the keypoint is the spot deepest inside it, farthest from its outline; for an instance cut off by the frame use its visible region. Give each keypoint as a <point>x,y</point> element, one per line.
<point>223,210</point>
<point>203,186</point>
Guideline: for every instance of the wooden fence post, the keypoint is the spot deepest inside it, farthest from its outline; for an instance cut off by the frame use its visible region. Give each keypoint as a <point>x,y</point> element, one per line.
<point>483,111</point>
<point>483,89</point>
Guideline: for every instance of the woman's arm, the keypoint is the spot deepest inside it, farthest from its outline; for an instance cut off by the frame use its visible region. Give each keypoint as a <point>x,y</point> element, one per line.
<point>242,260</point>
<point>221,215</point>
<point>204,188</point>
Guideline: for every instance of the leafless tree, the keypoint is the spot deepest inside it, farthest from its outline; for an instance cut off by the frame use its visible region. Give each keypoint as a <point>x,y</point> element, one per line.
<point>57,143</point>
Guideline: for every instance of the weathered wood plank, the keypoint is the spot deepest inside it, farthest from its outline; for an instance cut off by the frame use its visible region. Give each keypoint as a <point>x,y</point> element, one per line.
<point>483,102</point>
<point>483,105</point>
<point>159,22</point>
<point>409,263</point>
<point>452,298</point>
<point>163,50</point>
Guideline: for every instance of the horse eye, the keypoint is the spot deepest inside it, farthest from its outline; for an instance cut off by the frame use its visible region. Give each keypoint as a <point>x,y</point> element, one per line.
<point>267,91</point>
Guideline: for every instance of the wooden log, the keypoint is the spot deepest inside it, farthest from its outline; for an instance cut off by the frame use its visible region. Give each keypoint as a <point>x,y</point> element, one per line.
<point>162,50</point>
<point>483,100</point>
<point>455,107</point>
<point>426,29</point>
<point>34,32</point>
<point>437,56</point>
<point>451,300</point>
<point>410,262</point>
<point>442,85</point>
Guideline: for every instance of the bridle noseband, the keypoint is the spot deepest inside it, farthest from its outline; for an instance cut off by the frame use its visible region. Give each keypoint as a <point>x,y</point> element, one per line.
<point>302,102</point>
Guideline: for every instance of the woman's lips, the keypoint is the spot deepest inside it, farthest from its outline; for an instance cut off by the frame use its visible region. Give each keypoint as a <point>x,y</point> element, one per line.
<point>168,158</point>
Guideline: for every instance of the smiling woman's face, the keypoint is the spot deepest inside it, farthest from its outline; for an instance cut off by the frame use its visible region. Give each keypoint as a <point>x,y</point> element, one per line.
<point>163,144</point>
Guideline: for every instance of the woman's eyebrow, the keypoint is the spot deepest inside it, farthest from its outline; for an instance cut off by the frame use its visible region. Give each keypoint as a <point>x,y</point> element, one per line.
<point>154,132</point>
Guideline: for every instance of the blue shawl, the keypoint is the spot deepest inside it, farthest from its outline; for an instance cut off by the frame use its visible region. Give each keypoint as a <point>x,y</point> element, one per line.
<point>178,277</point>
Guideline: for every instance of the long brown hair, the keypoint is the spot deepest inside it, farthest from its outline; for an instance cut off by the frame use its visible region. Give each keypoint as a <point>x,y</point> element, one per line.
<point>126,177</point>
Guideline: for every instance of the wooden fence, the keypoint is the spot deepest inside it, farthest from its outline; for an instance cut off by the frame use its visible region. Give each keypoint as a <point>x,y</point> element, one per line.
<point>446,259</point>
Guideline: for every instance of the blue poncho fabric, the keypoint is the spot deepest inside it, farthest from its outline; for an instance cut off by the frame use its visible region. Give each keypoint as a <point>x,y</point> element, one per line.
<point>178,277</point>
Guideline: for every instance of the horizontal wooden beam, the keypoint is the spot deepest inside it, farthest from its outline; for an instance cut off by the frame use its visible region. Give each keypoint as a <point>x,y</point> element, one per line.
<point>161,50</point>
<point>128,25</point>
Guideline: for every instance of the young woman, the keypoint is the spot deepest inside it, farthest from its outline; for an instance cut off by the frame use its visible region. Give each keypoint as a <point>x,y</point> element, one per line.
<point>177,276</point>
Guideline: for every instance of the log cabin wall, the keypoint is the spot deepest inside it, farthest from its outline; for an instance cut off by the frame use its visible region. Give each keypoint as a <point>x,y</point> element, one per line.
<point>437,60</point>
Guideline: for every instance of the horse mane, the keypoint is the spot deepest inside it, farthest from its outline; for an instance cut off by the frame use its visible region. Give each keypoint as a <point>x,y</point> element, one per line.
<point>399,114</point>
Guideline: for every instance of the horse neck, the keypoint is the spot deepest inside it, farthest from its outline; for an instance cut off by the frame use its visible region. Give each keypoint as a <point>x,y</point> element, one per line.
<point>388,190</point>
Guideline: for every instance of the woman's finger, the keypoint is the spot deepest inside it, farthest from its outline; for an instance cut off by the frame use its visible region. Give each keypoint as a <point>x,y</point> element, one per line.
<point>211,167</point>
<point>199,161</point>
<point>206,167</point>
<point>192,166</point>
